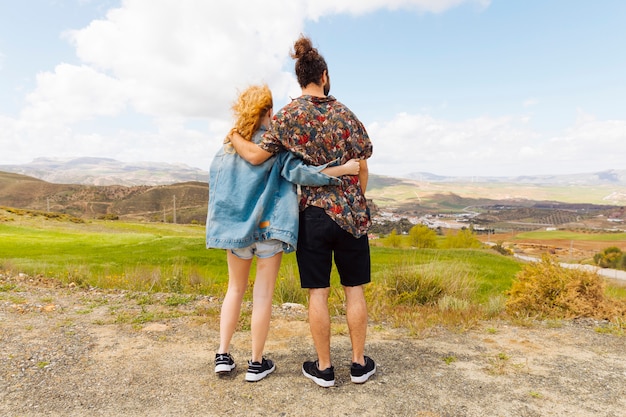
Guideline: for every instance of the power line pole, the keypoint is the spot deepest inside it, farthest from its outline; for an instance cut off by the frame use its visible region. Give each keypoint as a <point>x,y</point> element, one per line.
<point>174,209</point>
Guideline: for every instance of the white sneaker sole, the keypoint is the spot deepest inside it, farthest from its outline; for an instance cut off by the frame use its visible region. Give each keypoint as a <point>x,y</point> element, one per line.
<point>224,368</point>
<point>363,378</point>
<point>251,377</point>
<point>319,381</point>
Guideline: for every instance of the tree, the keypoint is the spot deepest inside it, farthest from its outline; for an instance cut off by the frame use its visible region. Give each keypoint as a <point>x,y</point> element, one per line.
<point>610,257</point>
<point>393,239</point>
<point>464,238</point>
<point>421,236</point>
<point>386,226</point>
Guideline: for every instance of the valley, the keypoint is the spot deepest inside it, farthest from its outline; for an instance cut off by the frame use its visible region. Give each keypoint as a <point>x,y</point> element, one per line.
<point>497,211</point>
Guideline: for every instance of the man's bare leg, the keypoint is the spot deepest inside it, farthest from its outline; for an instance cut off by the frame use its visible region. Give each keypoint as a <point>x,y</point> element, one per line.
<point>319,323</point>
<point>356,315</point>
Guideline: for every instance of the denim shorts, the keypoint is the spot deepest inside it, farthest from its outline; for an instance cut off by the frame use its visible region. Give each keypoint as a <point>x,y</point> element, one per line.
<point>262,249</point>
<point>320,240</point>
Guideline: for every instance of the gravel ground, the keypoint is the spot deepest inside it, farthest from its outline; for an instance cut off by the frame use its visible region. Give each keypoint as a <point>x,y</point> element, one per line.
<point>75,352</point>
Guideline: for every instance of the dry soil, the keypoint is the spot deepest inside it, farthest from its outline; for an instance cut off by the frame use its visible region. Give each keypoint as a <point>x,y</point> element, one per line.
<point>67,351</point>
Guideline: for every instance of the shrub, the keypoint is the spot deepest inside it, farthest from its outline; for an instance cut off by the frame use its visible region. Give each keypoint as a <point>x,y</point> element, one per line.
<point>420,297</point>
<point>426,284</point>
<point>547,290</point>
<point>462,239</point>
<point>499,247</point>
<point>611,257</point>
<point>175,283</point>
<point>393,239</point>
<point>422,237</point>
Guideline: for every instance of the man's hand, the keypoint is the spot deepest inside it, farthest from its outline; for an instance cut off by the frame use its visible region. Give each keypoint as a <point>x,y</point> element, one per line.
<point>363,175</point>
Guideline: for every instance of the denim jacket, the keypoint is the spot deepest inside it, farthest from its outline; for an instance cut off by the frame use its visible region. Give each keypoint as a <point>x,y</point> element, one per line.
<point>251,203</point>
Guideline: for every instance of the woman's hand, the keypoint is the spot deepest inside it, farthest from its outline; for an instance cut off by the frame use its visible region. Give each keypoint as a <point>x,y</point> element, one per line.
<point>352,167</point>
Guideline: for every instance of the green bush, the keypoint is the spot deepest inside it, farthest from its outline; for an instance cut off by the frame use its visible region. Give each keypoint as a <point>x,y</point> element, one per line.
<point>499,247</point>
<point>393,239</point>
<point>427,284</point>
<point>611,257</point>
<point>463,239</point>
<point>422,237</point>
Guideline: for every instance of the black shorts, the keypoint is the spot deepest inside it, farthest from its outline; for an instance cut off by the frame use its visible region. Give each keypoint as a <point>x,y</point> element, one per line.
<point>318,238</point>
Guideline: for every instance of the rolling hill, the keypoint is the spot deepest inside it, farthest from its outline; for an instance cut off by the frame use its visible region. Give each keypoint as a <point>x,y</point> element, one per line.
<point>185,201</point>
<point>105,188</point>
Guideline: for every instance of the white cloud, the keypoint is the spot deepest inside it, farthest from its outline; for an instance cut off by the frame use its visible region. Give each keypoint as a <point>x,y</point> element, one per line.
<point>158,60</point>
<point>489,146</point>
<point>318,8</point>
<point>71,94</point>
<point>172,62</point>
<point>186,58</point>
<point>603,140</point>
<point>163,60</point>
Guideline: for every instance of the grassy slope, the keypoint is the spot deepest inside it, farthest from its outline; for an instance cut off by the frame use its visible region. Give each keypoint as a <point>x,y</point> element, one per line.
<point>97,250</point>
<point>99,253</point>
<point>470,284</point>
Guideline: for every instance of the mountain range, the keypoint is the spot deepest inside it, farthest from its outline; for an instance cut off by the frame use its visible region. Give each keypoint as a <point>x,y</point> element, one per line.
<point>89,188</point>
<point>611,176</point>
<point>106,171</point>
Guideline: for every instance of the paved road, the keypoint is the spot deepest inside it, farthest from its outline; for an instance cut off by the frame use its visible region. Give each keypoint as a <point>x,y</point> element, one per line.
<point>605,272</point>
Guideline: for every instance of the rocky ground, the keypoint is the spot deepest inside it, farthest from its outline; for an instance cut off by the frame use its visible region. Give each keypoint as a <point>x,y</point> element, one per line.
<point>82,352</point>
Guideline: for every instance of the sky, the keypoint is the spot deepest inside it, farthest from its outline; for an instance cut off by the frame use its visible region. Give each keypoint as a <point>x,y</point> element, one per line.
<point>449,87</point>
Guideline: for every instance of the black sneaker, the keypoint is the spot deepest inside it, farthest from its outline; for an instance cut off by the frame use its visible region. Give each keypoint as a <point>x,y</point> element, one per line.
<point>224,363</point>
<point>361,373</point>
<point>325,378</point>
<point>259,370</point>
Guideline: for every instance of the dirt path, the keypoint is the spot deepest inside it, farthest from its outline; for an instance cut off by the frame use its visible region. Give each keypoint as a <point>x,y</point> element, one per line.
<point>74,352</point>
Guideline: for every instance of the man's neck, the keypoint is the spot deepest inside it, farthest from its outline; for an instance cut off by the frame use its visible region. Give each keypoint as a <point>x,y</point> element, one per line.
<point>313,90</point>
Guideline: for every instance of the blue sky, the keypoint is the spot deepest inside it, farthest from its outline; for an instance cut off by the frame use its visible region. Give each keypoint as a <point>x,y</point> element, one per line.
<point>451,87</point>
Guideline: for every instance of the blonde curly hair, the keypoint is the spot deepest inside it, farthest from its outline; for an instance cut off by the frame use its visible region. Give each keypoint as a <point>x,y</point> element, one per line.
<point>249,109</point>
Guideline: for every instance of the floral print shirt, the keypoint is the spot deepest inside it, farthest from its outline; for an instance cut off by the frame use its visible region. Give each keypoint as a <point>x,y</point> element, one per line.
<point>321,130</point>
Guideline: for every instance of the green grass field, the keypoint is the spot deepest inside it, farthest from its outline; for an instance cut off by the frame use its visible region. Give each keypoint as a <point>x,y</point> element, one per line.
<point>410,288</point>
<point>109,254</point>
<point>145,256</point>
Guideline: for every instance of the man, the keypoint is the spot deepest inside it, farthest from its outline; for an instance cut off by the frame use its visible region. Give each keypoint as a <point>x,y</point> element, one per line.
<point>333,219</point>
